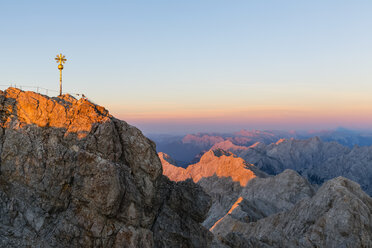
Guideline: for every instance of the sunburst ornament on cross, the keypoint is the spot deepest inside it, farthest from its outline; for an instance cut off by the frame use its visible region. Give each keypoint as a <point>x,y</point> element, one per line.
<point>61,60</point>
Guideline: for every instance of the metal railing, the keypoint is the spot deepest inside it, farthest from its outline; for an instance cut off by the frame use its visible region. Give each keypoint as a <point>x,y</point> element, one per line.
<point>38,89</point>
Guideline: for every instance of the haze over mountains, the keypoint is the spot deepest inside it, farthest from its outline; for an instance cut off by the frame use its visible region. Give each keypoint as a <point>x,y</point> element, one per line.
<point>185,148</point>
<point>313,158</point>
<point>300,192</point>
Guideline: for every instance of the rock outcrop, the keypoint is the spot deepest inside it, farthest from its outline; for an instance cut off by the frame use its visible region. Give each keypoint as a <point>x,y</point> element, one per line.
<point>338,215</point>
<point>72,175</point>
<point>263,197</point>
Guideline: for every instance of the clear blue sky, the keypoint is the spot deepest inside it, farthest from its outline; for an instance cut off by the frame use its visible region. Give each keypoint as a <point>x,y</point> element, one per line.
<point>199,65</point>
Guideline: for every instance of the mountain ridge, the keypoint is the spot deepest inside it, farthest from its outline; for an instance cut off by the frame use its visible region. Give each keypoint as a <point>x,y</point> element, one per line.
<point>285,210</point>
<point>214,162</point>
<point>185,148</point>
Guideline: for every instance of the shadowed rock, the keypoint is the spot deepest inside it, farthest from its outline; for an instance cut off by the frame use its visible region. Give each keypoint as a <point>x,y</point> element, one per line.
<point>263,197</point>
<point>314,159</point>
<point>338,215</point>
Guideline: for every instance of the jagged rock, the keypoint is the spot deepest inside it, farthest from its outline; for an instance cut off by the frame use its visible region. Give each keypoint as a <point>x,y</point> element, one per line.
<point>262,197</point>
<point>314,159</point>
<point>171,170</point>
<point>282,191</point>
<point>257,198</point>
<point>221,174</point>
<point>224,192</point>
<point>338,215</point>
<point>72,175</point>
<point>214,162</point>
<point>185,148</point>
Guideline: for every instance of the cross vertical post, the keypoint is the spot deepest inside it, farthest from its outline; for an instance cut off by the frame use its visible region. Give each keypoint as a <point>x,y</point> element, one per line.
<point>61,60</point>
<point>60,82</point>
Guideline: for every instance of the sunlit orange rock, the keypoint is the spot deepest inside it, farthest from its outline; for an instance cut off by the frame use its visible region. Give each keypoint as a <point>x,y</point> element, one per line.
<point>72,175</point>
<point>26,107</point>
<point>234,206</point>
<point>214,162</point>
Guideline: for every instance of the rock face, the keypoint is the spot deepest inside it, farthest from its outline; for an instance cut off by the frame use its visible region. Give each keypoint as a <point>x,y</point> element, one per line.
<point>338,215</point>
<point>314,159</point>
<point>263,197</point>
<point>185,206</point>
<point>71,175</point>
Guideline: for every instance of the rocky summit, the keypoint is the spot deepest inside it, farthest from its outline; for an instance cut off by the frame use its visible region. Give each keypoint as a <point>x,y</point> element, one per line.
<point>72,175</point>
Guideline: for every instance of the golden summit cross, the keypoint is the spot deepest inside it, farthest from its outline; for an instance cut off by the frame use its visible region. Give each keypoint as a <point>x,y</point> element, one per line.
<point>61,60</point>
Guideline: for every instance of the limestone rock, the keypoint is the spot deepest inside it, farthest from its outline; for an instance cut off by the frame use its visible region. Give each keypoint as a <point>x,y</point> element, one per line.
<point>185,205</point>
<point>263,197</point>
<point>338,215</point>
<point>72,175</point>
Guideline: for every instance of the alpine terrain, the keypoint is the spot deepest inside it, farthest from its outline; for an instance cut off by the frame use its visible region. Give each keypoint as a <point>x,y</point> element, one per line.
<point>72,175</point>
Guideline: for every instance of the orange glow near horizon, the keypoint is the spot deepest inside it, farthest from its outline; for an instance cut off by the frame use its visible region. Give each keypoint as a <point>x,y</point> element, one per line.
<point>294,108</point>
<point>258,114</point>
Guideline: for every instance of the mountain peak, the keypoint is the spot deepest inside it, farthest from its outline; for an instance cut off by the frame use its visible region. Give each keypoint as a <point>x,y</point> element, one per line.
<point>218,163</point>
<point>73,175</point>
<point>29,108</point>
<point>165,157</point>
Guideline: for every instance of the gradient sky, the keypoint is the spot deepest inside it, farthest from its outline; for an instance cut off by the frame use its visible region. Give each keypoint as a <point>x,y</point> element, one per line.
<point>200,65</point>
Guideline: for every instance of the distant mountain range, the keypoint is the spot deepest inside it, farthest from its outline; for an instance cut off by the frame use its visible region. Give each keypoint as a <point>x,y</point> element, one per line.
<point>314,159</point>
<point>253,209</point>
<point>281,189</point>
<point>185,149</point>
